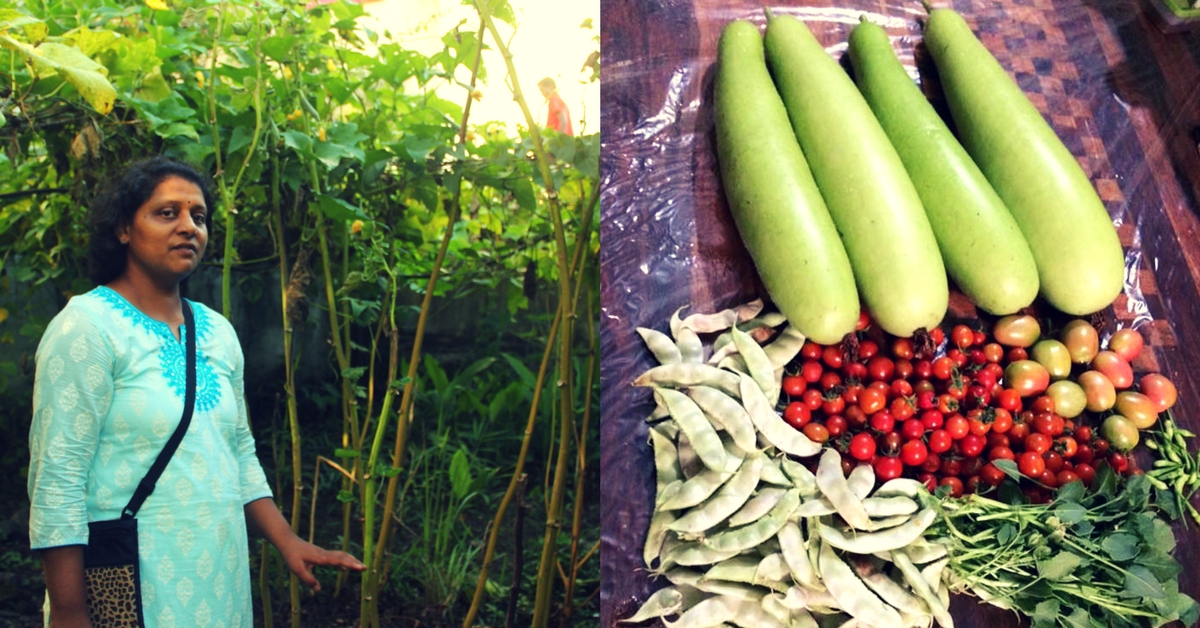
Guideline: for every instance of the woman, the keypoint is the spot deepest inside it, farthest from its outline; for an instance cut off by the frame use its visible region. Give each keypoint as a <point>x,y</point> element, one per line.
<point>109,392</point>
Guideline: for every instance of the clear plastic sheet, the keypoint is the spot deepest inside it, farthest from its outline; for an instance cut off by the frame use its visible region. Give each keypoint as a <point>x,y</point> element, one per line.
<point>1122,94</point>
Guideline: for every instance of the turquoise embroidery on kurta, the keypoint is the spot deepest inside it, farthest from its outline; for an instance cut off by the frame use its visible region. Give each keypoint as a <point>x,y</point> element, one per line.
<point>173,356</point>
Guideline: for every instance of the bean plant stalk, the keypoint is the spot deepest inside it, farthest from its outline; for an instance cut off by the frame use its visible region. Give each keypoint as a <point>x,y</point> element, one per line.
<point>372,577</point>
<point>545,577</point>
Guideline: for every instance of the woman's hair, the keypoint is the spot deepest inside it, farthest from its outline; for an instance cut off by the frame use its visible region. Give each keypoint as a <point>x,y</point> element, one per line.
<point>547,82</point>
<point>119,201</point>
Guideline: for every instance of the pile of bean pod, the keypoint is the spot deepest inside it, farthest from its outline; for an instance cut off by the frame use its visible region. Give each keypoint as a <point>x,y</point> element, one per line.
<point>744,532</point>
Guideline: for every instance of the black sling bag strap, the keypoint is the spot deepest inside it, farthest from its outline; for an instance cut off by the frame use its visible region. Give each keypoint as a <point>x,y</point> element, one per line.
<point>146,486</point>
<point>111,567</point>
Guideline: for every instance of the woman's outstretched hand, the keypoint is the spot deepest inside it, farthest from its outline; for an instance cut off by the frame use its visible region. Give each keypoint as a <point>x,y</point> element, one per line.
<point>301,556</point>
<point>264,518</point>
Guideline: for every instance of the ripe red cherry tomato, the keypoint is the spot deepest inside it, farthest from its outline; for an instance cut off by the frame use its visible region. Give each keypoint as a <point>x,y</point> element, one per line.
<point>816,432</point>
<point>1031,464</point>
<point>1010,400</point>
<point>955,484</point>
<point>1037,443</point>
<point>880,369</point>
<point>993,352</point>
<point>829,380</point>
<point>862,446</point>
<point>914,453</point>
<point>956,425</point>
<point>812,398</point>
<point>832,356</point>
<point>962,336</point>
<point>922,369</point>
<point>991,474</point>
<point>971,445</point>
<point>1001,453</point>
<point>888,468</point>
<point>871,400</point>
<point>867,349</point>
<point>903,408</point>
<point>794,385</point>
<point>797,414</point>
<point>904,369</point>
<point>1048,423</point>
<point>942,367</point>
<point>811,371</point>
<point>912,429</point>
<point>811,350</point>
<point>1085,472</point>
<point>902,348</point>
<point>1002,420</point>
<point>932,419</point>
<point>883,422</point>
<point>940,441</point>
<point>836,425</point>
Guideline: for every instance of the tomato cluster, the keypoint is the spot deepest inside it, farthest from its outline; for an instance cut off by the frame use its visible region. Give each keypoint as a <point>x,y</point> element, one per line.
<point>946,413</point>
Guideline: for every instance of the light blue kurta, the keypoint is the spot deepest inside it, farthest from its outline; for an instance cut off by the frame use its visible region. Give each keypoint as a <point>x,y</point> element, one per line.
<point>108,393</point>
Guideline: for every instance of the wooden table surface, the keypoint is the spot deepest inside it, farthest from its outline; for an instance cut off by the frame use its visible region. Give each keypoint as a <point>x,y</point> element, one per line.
<point>1122,94</point>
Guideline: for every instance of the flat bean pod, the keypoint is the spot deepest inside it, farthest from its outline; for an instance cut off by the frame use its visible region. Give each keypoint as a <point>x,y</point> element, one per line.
<point>699,430</point>
<point>737,569</point>
<point>694,554</point>
<point>727,500</point>
<point>663,602</point>
<point>886,540</point>
<point>660,345</point>
<point>891,592</point>
<point>656,535</point>
<point>720,406</point>
<point>709,613</point>
<point>758,364</point>
<point>772,427</point>
<point>837,490</point>
<point>695,490</point>
<point>801,476</point>
<point>903,487</point>
<point>748,536</point>
<point>912,576</point>
<point>932,573</point>
<point>711,323</point>
<point>785,347</point>
<point>772,570</point>
<point>861,480</point>
<point>771,474</point>
<point>791,545</point>
<point>852,594</point>
<point>889,506</point>
<point>815,508</point>
<point>687,374</point>
<point>757,506</point>
<point>691,350</point>
<point>666,460</point>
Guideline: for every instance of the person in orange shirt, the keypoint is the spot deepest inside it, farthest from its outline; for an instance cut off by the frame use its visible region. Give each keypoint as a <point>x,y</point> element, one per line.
<point>559,117</point>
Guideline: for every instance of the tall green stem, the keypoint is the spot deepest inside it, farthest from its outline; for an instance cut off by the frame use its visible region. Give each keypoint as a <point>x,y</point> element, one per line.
<point>404,412</point>
<point>545,588</point>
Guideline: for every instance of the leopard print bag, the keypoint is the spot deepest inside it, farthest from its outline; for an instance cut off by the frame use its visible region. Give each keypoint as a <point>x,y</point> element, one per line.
<point>110,566</point>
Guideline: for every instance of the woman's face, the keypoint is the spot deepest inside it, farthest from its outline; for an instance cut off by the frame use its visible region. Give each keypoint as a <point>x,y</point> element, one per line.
<point>166,238</point>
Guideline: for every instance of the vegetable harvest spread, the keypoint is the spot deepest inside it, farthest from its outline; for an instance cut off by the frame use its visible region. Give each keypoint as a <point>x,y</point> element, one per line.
<point>822,466</point>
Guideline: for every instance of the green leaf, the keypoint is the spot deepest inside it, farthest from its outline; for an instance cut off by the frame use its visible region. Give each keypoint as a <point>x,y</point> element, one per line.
<point>354,372</point>
<point>1060,566</point>
<point>337,209</point>
<point>1121,546</point>
<point>1070,493</point>
<point>561,146</point>
<point>523,191</point>
<point>1078,618</point>
<point>1005,534</point>
<point>1165,500</point>
<point>177,129</point>
<point>1189,611</point>
<point>460,473</point>
<point>87,76</point>
<point>345,496</point>
<point>1155,532</point>
<point>240,139</point>
<point>298,141</point>
<point>345,453</point>
<point>1070,513</point>
<point>279,48</point>
<point>526,375</point>
<point>1162,565</point>
<point>1139,582</point>
<point>1009,468</point>
<point>1045,614</point>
